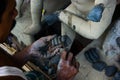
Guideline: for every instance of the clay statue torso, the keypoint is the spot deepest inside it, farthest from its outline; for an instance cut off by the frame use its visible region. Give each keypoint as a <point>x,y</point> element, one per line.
<point>83,5</point>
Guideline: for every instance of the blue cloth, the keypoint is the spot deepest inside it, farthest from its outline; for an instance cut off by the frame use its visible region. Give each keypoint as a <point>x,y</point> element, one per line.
<point>96,13</point>
<point>51,19</point>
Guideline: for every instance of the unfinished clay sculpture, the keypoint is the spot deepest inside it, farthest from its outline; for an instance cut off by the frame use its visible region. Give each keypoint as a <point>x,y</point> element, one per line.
<point>117,76</point>
<point>92,55</point>
<point>37,7</point>
<point>99,66</point>
<point>111,44</point>
<point>110,71</point>
<point>75,16</point>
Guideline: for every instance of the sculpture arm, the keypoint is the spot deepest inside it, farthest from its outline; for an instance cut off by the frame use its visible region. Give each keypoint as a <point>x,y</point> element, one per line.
<point>89,29</point>
<point>105,2</point>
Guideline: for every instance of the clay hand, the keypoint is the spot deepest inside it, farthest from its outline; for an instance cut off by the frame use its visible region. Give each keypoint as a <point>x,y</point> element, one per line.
<point>40,47</point>
<point>66,68</point>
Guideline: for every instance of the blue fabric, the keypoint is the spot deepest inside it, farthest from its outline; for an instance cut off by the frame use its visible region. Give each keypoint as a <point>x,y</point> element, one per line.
<point>96,13</point>
<point>51,19</point>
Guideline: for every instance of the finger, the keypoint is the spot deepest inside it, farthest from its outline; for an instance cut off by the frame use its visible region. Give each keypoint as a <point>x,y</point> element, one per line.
<point>74,69</point>
<point>56,51</point>
<point>70,56</point>
<point>63,55</point>
<point>62,38</point>
<point>48,38</point>
<point>52,42</point>
<point>59,40</point>
<point>56,41</point>
<point>77,65</point>
<point>51,49</point>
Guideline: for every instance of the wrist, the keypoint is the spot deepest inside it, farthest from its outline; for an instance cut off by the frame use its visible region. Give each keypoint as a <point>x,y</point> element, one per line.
<point>23,56</point>
<point>27,52</point>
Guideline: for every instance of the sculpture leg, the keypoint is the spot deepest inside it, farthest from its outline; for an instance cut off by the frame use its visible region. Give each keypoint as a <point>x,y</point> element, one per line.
<point>36,14</point>
<point>18,7</point>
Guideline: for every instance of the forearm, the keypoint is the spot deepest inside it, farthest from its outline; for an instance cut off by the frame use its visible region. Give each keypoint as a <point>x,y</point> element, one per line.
<point>22,57</point>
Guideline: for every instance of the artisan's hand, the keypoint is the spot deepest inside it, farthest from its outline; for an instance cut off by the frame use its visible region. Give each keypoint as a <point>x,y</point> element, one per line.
<point>66,68</point>
<point>40,47</point>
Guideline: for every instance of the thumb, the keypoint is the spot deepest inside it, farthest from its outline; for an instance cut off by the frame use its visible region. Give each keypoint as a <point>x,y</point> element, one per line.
<point>48,38</point>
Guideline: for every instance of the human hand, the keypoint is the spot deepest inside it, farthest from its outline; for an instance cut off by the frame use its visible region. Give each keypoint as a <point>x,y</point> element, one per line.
<point>67,69</point>
<point>40,47</point>
<point>59,43</point>
<point>48,46</point>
